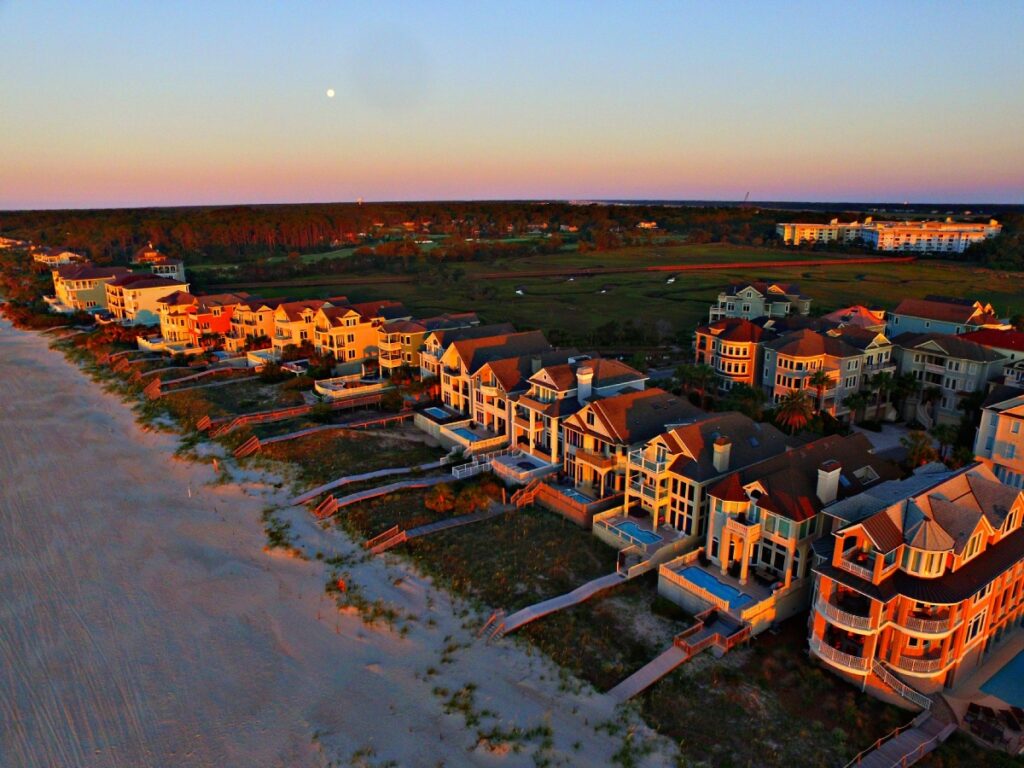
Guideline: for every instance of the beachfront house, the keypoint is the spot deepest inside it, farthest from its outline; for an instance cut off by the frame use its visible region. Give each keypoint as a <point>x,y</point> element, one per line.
<point>351,332</point>
<point>436,342</point>
<point>82,287</point>
<point>400,341</point>
<point>732,347</point>
<point>134,299</point>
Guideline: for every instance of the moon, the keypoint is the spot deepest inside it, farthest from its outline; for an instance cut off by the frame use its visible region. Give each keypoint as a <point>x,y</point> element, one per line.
<point>330,93</point>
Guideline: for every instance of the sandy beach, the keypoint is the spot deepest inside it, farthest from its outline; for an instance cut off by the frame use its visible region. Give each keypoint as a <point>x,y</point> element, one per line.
<point>142,624</point>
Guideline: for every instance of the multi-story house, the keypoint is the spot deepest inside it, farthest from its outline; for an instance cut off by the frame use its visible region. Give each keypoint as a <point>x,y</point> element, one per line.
<point>189,321</point>
<point>252,323</point>
<point>918,586</point>
<point>351,332</point>
<point>54,257</point>
<point>668,477</point>
<point>949,365</point>
<point>82,287</point>
<point>999,442</point>
<point>941,314</point>
<point>919,236</point>
<point>759,299</point>
<point>848,355</point>
<point>556,392</point>
<point>174,311</point>
<point>763,521</point>
<point>464,357</point>
<point>733,348</point>
<point>858,316</point>
<point>401,341</point>
<point>158,264</point>
<point>599,437</point>
<point>1009,344</point>
<point>293,322</point>
<point>436,342</point>
<point>134,299</point>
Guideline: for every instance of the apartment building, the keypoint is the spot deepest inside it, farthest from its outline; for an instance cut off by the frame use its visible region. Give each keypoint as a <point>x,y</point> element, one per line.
<point>600,436</point>
<point>401,341</point>
<point>951,365</point>
<point>464,357</point>
<point>669,475</point>
<point>134,299</point>
<point>556,392</point>
<point>759,299</point>
<point>941,314</point>
<point>82,287</point>
<point>436,342</point>
<point>923,577</point>
<point>999,442</point>
<point>849,356</point>
<point>350,332</point>
<point>916,236</point>
<point>733,348</point>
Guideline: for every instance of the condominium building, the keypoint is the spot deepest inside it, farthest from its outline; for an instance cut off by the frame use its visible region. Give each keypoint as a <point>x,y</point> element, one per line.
<point>942,314</point>
<point>848,356</point>
<point>556,392</point>
<point>759,299</point>
<point>733,348</point>
<point>917,236</point>
<point>82,287</point>
<point>921,579</point>
<point>134,299</point>
<point>951,366</point>
<point>999,442</point>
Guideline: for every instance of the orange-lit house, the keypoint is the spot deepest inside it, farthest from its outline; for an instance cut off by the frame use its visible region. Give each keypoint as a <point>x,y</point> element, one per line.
<point>194,322</point>
<point>920,580</point>
<point>436,342</point>
<point>401,341</point>
<point>252,323</point>
<point>733,348</point>
<point>351,332</point>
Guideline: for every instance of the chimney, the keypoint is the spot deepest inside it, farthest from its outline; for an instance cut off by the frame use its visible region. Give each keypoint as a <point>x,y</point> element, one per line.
<point>828,481</point>
<point>535,364</point>
<point>723,447</point>
<point>584,383</point>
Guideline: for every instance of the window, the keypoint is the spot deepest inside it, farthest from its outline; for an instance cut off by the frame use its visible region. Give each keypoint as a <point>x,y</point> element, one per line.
<point>1014,427</point>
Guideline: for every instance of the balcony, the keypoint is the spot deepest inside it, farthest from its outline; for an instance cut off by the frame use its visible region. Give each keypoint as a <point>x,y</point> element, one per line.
<point>931,624</point>
<point>636,459</point>
<point>840,612</point>
<point>647,490</point>
<point>920,665</point>
<point>837,657</point>
<point>393,345</point>
<point>860,564</point>
<point>522,422</point>
<point>934,368</point>
<point>490,390</point>
<point>596,460</point>
<point>743,528</point>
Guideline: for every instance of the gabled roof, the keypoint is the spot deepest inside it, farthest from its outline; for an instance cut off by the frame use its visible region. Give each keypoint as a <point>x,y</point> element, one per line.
<point>808,343</point>
<point>476,352</point>
<point>997,339</point>
<point>606,373</point>
<point>446,336</point>
<point>254,304</point>
<point>749,442</point>
<point>857,316</point>
<point>947,310</point>
<point>736,329</point>
<point>765,288</point>
<point>949,344</point>
<point>387,309</point>
<point>138,281</point>
<point>638,415</point>
<point>178,299</point>
<point>89,271</point>
<point>209,300</point>
<point>293,310</point>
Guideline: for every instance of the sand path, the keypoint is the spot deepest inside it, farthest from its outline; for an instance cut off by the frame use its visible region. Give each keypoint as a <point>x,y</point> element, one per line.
<point>142,626</point>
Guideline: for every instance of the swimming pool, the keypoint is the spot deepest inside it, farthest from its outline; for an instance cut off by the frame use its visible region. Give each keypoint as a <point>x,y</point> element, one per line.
<point>437,413</point>
<point>1008,683</point>
<point>466,434</point>
<point>705,580</point>
<point>637,533</point>
<point>575,495</point>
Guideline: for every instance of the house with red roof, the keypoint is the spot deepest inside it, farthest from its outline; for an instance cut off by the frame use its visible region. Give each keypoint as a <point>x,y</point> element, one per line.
<point>942,314</point>
<point>82,287</point>
<point>134,299</point>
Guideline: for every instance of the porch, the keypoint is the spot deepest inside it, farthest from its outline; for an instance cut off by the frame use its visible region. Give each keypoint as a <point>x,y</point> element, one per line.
<point>520,468</point>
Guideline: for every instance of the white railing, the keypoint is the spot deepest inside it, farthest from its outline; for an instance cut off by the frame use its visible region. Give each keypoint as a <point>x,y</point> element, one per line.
<point>342,388</point>
<point>837,615</point>
<point>899,686</point>
<point>857,570</point>
<point>834,655</point>
<point>636,458</point>
<point>932,626</point>
<point>919,665</point>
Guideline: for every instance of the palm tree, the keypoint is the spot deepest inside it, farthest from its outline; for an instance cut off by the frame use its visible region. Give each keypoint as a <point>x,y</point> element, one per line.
<point>795,410</point>
<point>697,378</point>
<point>947,435</point>
<point>746,399</point>
<point>919,448</point>
<point>820,381</point>
<point>882,383</point>
<point>856,402</point>
<point>905,385</point>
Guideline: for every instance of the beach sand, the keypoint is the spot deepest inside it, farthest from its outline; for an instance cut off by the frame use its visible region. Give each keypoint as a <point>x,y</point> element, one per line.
<point>142,624</point>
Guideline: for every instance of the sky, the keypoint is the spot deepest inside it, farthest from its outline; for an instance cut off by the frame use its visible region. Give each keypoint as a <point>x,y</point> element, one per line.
<point>106,103</point>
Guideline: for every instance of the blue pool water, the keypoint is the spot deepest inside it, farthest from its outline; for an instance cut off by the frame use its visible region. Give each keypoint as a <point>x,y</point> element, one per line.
<point>1008,683</point>
<point>465,433</point>
<point>705,580</point>
<point>575,495</point>
<point>637,533</point>
<point>437,413</point>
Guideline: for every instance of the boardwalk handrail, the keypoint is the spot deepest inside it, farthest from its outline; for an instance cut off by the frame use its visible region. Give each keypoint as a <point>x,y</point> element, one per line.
<point>371,543</point>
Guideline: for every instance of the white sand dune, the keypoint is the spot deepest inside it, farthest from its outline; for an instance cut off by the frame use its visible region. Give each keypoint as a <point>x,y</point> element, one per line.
<point>140,626</point>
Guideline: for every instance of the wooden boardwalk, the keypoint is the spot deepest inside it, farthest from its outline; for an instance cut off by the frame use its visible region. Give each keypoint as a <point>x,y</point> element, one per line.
<point>905,746</point>
<point>312,493</point>
<point>371,493</point>
<point>543,608</point>
<point>649,674</point>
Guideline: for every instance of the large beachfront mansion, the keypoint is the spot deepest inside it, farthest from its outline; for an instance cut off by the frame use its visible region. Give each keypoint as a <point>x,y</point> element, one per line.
<point>920,236</point>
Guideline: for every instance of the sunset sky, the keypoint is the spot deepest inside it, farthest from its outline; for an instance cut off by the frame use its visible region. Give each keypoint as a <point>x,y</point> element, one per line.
<point>156,103</point>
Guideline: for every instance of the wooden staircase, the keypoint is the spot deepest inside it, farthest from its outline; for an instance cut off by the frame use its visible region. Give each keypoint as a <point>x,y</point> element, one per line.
<point>526,495</point>
<point>326,508</point>
<point>248,448</point>
<point>382,542</point>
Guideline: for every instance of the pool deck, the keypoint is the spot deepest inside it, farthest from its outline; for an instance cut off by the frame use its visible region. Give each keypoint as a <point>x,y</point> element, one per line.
<point>969,691</point>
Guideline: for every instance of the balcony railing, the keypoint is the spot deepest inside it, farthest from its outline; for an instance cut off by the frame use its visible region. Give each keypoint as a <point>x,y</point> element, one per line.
<point>919,664</point>
<point>650,491</point>
<point>743,528</point>
<point>837,615</point>
<point>490,390</point>
<point>930,624</point>
<point>636,458</point>
<point>862,571</point>
<point>834,655</point>
<point>596,459</point>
